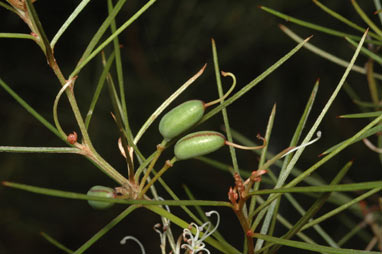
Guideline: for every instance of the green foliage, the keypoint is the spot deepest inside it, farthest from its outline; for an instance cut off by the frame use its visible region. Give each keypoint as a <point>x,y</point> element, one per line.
<point>257,196</point>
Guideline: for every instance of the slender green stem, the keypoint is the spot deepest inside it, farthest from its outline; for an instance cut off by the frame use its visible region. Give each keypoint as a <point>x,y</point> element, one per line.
<point>166,166</point>
<point>16,36</point>
<point>8,7</point>
<point>240,214</point>
<point>55,104</point>
<point>21,149</point>
<point>158,153</point>
<point>143,166</point>
<point>105,166</point>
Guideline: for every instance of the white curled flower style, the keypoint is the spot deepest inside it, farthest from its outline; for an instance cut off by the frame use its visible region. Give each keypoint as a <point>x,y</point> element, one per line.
<point>124,240</point>
<point>166,228</point>
<point>194,243</point>
<point>318,134</point>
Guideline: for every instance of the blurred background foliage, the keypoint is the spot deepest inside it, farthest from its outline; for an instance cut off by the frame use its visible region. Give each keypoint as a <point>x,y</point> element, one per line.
<point>161,50</point>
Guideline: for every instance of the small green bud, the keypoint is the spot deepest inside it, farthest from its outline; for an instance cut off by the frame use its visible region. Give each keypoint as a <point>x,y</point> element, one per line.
<point>101,191</point>
<point>181,118</point>
<point>198,144</point>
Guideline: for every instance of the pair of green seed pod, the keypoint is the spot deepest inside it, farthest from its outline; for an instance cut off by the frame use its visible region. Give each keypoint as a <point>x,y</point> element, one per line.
<point>186,115</point>
<point>180,119</point>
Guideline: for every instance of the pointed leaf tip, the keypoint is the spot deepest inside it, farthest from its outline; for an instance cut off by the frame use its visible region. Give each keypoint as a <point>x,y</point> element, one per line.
<point>307,39</point>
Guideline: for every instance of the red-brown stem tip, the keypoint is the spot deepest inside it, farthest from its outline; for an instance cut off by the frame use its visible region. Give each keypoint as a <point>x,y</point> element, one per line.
<point>250,233</point>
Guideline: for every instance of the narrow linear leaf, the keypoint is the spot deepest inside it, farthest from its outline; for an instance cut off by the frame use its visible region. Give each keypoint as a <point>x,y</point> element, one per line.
<point>310,170</point>
<point>341,208</point>
<point>253,83</point>
<point>366,19</point>
<point>101,30</point>
<point>372,83</point>
<point>264,152</point>
<point>111,37</point>
<point>325,188</point>
<point>56,243</point>
<point>73,195</point>
<point>335,198</point>
<point>295,138</point>
<point>364,104</point>
<point>39,29</point>
<point>118,65</point>
<point>69,21</point>
<point>285,173</point>
<point>325,54</point>
<point>365,51</point>
<point>98,90</point>
<point>362,115</point>
<point>378,7</point>
<point>224,110</point>
<point>118,116</point>
<point>311,247</point>
<point>344,20</point>
<point>316,27</point>
<point>106,229</point>
<point>28,108</point>
<point>317,205</point>
<point>124,114</point>
<point>366,134</point>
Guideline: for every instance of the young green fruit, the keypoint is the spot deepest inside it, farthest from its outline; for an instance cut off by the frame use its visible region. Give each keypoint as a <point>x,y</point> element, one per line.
<point>198,144</point>
<point>181,118</point>
<point>101,191</point>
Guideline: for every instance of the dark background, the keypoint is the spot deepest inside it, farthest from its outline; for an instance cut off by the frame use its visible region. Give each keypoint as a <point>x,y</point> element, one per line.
<point>161,50</point>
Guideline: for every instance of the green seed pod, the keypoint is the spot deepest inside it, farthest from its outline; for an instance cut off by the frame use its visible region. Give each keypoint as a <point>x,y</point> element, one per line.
<point>198,143</point>
<point>181,118</point>
<point>101,191</point>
